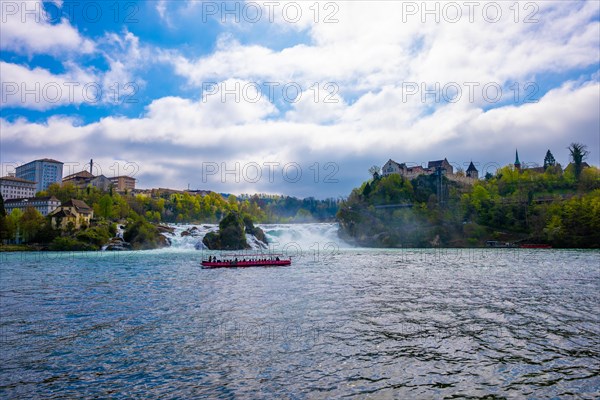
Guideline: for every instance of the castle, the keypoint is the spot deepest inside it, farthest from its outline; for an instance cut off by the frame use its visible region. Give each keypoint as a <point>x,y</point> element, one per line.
<point>392,167</point>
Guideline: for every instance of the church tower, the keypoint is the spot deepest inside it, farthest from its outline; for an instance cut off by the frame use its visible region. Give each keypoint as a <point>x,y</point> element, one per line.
<point>517,162</point>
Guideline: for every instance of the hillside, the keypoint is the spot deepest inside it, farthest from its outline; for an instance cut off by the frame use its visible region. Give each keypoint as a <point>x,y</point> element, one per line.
<point>552,207</point>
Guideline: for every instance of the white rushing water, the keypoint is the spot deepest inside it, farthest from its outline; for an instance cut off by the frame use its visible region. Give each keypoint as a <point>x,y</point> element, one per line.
<point>304,235</point>
<point>280,236</point>
<point>180,240</point>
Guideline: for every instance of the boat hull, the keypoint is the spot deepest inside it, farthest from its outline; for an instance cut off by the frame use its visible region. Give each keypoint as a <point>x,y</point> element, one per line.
<point>535,246</point>
<point>246,264</point>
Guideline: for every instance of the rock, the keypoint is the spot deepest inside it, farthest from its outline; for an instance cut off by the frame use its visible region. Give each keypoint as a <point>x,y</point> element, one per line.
<point>117,244</point>
<point>212,241</point>
<point>165,229</point>
<point>144,236</point>
<point>257,243</point>
<point>231,235</point>
<point>254,230</point>
<point>193,231</point>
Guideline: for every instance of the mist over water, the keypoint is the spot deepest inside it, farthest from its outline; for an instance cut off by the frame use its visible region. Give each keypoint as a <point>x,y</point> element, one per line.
<point>357,322</point>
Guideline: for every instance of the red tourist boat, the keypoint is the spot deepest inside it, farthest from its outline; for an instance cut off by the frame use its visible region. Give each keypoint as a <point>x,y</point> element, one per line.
<point>535,246</point>
<point>244,260</point>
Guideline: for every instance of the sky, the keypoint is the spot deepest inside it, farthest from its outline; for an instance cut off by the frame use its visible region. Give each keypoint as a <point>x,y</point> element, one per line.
<point>295,98</point>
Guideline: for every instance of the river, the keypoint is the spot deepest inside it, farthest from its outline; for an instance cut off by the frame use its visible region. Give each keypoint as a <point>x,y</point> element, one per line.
<point>341,321</point>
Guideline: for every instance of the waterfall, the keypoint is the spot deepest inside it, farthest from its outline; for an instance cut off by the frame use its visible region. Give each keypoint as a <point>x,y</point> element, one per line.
<point>120,231</point>
<point>280,236</point>
<point>304,235</point>
<point>192,235</point>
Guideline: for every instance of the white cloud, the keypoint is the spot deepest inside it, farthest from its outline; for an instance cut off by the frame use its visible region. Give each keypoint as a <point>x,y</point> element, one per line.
<point>39,89</point>
<point>57,130</point>
<point>125,56</point>
<point>372,47</point>
<point>176,135</point>
<point>161,9</point>
<point>358,127</point>
<point>28,29</point>
<point>318,105</point>
<point>77,85</point>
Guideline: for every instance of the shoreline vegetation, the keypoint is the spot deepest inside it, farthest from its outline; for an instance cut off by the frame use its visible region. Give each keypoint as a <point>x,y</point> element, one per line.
<point>554,207</point>
<point>145,218</point>
<point>516,206</point>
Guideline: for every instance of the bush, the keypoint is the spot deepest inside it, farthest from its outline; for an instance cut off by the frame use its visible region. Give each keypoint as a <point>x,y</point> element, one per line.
<point>144,236</point>
<point>96,236</point>
<point>231,234</point>
<point>69,244</point>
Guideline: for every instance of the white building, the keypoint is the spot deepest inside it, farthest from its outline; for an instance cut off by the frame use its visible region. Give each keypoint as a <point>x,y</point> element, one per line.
<point>16,188</point>
<point>45,205</point>
<point>392,167</point>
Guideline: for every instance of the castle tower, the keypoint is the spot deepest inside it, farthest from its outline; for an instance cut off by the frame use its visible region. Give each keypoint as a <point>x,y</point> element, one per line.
<point>472,171</point>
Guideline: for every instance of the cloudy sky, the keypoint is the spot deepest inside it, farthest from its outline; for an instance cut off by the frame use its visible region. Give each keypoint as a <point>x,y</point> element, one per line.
<point>298,98</point>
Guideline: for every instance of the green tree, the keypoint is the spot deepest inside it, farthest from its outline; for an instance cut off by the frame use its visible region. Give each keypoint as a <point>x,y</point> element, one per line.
<point>232,201</point>
<point>549,160</point>
<point>64,192</point>
<point>31,223</point>
<point>367,190</point>
<point>105,207</point>
<point>14,224</point>
<point>578,153</point>
<point>589,179</point>
<point>3,223</point>
<point>153,216</point>
<point>479,197</point>
<point>2,209</point>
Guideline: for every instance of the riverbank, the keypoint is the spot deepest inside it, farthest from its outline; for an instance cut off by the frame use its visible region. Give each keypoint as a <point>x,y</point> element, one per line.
<point>512,206</point>
<point>18,247</point>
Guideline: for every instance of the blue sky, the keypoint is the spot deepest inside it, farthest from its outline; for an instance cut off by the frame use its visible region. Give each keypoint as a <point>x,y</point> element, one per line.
<point>205,94</point>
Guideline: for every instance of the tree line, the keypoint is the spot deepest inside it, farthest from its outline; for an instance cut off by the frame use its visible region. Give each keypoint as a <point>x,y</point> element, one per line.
<point>166,207</point>
<point>556,206</point>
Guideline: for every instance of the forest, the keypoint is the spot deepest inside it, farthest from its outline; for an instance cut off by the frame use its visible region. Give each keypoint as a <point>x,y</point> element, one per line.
<point>556,207</point>
<point>143,213</point>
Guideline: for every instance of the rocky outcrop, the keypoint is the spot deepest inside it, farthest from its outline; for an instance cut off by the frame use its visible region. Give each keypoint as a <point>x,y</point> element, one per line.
<point>232,234</point>
<point>193,232</point>
<point>143,235</point>
<point>165,229</point>
<point>117,244</point>
<point>254,230</point>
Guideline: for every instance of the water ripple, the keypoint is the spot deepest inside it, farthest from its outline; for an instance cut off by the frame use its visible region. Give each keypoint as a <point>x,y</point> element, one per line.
<point>361,323</point>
